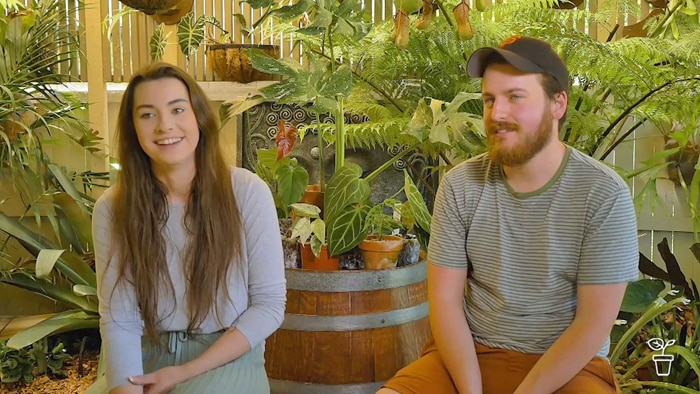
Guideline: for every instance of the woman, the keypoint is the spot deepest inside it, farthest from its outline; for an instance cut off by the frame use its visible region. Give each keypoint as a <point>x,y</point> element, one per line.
<point>188,253</point>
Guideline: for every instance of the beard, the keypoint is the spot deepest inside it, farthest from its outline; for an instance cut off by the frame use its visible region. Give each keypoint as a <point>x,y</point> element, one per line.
<point>528,145</point>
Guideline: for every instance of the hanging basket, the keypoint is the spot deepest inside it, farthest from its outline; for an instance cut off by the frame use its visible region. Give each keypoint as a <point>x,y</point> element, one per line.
<point>163,11</point>
<point>230,62</point>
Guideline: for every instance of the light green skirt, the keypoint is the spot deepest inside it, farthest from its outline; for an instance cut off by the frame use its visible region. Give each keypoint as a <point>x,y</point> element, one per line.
<point>245,375</point>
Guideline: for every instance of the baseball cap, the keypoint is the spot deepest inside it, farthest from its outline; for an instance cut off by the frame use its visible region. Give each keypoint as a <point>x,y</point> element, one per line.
<point>526,54</point>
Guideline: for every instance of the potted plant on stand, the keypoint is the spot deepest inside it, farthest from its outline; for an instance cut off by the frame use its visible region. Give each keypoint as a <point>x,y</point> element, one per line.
<point>382,246</point>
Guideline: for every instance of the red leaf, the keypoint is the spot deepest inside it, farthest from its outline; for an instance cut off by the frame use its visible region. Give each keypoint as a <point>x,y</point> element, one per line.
<point>285,139</point>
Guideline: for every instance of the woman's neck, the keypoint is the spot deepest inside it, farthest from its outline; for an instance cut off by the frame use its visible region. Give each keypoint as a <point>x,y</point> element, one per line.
<point>177,181</point>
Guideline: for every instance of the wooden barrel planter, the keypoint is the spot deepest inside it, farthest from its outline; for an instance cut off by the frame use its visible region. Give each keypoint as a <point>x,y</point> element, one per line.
<point>348,331</point>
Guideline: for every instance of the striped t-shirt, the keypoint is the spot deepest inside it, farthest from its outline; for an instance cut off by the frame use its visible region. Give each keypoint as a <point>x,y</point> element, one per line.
<point>528,251</point>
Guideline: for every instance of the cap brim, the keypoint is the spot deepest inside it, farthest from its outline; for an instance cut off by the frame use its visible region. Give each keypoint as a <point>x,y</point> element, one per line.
<point>481,58</point>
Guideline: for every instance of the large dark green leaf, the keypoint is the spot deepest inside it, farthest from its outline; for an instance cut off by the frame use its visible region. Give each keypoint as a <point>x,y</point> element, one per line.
<point>61,322</point>
<point>345,188</point>
<point>346,230</point>
<point>640,294</point>
<point>291,182</point>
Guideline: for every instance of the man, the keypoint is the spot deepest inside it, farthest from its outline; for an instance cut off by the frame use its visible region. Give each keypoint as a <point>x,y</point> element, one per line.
<point>524,300</point>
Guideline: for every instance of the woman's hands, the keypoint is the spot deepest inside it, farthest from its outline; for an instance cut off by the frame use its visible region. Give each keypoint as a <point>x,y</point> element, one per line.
<point>160,381</point>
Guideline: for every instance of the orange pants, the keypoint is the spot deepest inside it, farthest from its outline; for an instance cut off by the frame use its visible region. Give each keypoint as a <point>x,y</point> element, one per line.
<point>501,373</point>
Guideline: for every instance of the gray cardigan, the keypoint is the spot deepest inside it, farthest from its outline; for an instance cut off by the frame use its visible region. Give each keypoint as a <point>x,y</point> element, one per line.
<point>257,289</point>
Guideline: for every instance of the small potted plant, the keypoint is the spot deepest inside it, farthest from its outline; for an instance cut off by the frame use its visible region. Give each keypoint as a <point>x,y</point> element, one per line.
<point>381,248</point>
<point>310,231</point>
<point>287,180</point>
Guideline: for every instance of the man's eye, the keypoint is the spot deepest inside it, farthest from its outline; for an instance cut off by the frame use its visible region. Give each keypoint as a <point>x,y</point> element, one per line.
<point>488,101</point>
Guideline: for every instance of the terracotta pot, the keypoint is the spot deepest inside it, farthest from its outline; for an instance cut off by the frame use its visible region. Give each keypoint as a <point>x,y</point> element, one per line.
<point>314,196</point>
<point>322,263</point>
<point>383,254</point>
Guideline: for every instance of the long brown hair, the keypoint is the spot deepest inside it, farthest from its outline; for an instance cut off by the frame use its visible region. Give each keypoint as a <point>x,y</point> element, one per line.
<point>212,219</point>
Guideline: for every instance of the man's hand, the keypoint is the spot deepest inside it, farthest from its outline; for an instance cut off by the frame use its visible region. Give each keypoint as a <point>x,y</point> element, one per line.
<point>160,381</point>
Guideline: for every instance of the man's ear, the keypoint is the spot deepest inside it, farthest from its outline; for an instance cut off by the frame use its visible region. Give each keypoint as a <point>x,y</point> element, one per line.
<point>559,104</point>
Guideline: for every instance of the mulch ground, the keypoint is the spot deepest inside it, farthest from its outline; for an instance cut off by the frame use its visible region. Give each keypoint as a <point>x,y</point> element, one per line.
<point>73,383</point>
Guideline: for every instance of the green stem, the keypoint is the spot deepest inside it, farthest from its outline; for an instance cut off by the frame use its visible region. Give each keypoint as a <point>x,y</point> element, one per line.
<point>340,135</point>
<point>391,162</point>
<point>321,163</point>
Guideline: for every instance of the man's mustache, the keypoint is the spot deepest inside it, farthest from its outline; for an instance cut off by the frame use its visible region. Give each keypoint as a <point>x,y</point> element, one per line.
<point>492,127</point>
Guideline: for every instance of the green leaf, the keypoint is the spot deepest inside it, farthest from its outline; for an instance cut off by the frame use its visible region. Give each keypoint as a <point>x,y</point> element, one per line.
<point>316,245</point>
<point>322,20</point>
<point>75,221</point>
<point>302,229</point>
<point>61,322</point>
<point>338,84</point>
<point>318,227</point>
<point>421,120</point>
<point>46,260</point>
<point>306,210</point>
<point>293,11</point>
<point>291,182</point>
<point>268,158</point>
<point>289,91</point>
<point>158,42</point>
<point>69,263</point>
<point>236,106</point>
<point>346,230</point>
<point>259,3</point>
<point>266,63</point>
<point>58,292</point>
<point>82,290</point>
<point>191,32</point>
<point>640,294</point>
<point>345,188</point>
<point>418,206</point>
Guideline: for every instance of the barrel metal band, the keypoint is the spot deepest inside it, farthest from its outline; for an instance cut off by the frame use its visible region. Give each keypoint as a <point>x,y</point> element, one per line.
<point>355,280</point>
<point>288,387</point>
<point>297,322</point>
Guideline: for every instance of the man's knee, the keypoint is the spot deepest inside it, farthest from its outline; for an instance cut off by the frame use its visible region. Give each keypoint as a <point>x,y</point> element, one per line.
<point>385,390</point>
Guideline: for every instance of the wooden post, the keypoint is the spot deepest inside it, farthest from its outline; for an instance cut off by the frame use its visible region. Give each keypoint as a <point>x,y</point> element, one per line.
<point>97,88</point>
